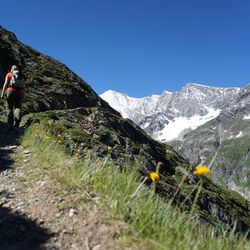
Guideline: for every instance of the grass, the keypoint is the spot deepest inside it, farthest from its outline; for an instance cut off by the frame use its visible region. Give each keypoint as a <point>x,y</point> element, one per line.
<point>152,221</point>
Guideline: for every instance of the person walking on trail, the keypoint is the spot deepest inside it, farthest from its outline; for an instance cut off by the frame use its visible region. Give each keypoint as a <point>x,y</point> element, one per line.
<point>14,90</point>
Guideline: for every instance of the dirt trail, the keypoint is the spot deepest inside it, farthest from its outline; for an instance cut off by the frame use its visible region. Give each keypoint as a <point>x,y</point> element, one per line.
<point>17,230</point>
<point>35,213</point>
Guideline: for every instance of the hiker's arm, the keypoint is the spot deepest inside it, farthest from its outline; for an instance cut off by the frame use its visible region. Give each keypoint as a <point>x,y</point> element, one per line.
<point>5,86</point>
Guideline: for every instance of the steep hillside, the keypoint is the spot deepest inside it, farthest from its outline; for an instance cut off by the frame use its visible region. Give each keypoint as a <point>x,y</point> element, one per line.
<point>51,84</point>
<point>66,105</point>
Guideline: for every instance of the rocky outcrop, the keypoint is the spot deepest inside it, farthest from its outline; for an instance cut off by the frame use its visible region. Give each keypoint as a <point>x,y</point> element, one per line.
<point>65,103</point>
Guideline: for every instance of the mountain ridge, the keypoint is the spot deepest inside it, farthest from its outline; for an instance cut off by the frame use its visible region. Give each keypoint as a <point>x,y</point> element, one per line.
<point>193,99</point>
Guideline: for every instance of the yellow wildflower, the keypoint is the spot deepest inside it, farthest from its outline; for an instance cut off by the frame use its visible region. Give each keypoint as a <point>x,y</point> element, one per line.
<point>59,141</point>
<point>109,149</point>
<point>202,170</point>
<point>154,176</point>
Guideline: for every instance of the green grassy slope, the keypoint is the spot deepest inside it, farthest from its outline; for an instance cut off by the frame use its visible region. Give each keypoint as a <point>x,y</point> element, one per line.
<point>153,222</point>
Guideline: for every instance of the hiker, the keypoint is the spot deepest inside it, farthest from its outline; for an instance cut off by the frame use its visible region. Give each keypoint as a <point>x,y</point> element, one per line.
<point>14,90</point>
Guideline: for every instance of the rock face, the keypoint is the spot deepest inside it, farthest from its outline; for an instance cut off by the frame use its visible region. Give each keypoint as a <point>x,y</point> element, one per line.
<point>65,102</point>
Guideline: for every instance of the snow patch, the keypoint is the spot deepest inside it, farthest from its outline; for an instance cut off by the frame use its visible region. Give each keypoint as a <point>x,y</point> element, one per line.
<point>239,135</point>
<point>247,117</point>
<point>174,128</point>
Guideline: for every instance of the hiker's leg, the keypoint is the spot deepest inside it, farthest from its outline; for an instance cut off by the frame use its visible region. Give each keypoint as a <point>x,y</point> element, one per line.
<point>17,109</point>
<point>10,104</point>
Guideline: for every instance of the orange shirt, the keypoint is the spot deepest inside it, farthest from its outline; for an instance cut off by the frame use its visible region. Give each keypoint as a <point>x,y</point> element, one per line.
<point>9,88</point>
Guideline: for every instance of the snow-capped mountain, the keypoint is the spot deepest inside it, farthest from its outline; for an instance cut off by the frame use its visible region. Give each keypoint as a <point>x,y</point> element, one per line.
<point>171,115</point>
<point>134,108</point>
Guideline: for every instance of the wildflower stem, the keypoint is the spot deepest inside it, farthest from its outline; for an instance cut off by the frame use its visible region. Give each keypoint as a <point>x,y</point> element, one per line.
<point>154,187</point>
<point>138,188</point>
<point>179,186</point>
<point>195,199</point>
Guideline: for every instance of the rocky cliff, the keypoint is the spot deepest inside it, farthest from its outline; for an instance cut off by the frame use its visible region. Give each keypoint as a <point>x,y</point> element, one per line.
<point>59,97</point>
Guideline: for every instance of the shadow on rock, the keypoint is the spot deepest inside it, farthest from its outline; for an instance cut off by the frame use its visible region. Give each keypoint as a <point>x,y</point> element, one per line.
<point>8,143</point>
<point>19,232</point>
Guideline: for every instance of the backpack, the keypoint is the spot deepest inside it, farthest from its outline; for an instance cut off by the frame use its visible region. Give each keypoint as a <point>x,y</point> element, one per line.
<point>17,80</point>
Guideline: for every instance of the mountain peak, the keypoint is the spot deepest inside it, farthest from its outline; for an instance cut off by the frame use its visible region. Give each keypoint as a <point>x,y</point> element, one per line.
<point>165,92</point>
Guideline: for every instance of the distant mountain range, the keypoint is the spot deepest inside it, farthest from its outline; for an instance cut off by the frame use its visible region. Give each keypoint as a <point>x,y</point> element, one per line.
<point>206,125</point>
<point>171,115</point>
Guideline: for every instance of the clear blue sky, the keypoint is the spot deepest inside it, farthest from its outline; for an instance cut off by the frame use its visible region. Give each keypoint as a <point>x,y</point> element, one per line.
<point>139,47</point>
